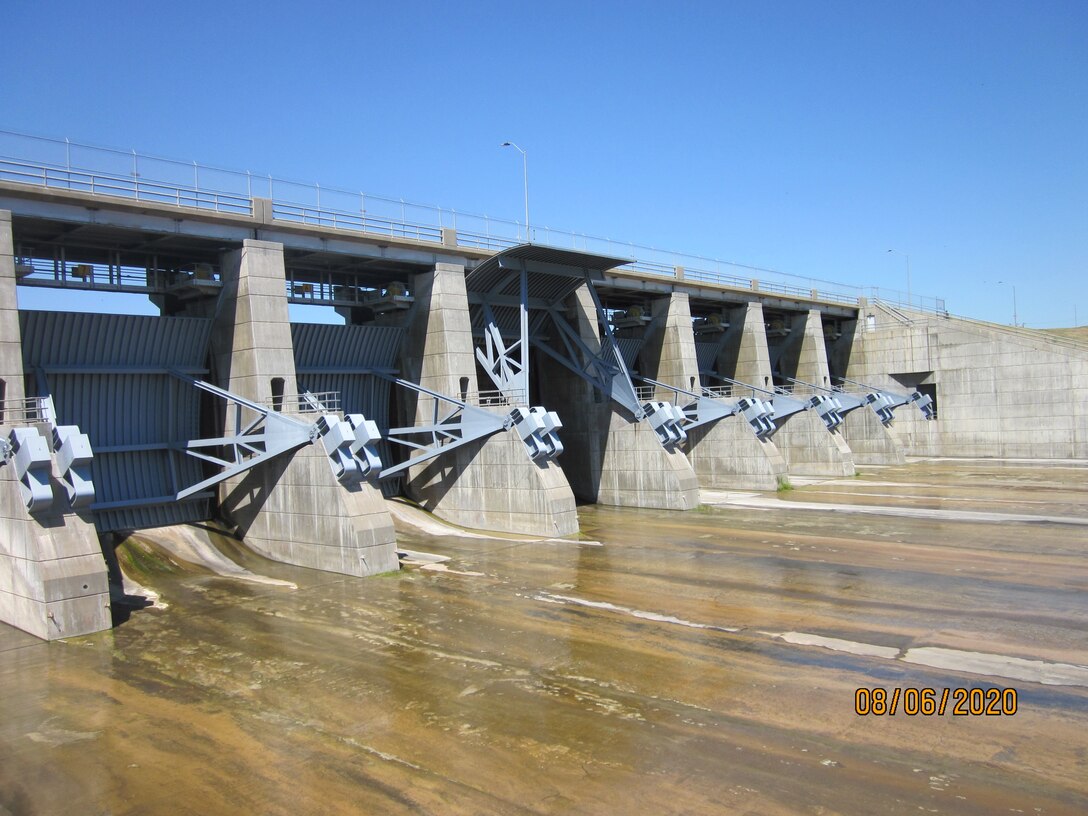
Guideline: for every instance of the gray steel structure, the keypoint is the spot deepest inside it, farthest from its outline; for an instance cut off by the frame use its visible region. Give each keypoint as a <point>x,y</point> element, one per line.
<point>112,376</point>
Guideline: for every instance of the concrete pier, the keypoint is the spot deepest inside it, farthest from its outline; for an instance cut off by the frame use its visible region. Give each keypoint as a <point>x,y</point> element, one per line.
<point>726,454</point>
<point>609,457</point>
<point>293,510</point>
<point>809,448</point>
<point>491,484</point>
<point>53,578</point>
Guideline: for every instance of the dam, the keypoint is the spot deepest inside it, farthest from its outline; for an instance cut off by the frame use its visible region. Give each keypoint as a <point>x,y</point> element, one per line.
<point>498,382</point>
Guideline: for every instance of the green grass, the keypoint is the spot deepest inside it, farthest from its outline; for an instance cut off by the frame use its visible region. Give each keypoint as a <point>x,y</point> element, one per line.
<point>783,484</point>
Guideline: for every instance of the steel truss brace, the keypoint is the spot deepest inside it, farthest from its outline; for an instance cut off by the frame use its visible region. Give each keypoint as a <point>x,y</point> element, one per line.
<point>261,433</point>
<point>603,369</point>
<point>884,402</point>
<point>454,423</point>
<point>508,366</point>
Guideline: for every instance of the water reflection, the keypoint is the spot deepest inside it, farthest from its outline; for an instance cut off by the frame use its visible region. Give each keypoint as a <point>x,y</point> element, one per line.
<point>649,675</point>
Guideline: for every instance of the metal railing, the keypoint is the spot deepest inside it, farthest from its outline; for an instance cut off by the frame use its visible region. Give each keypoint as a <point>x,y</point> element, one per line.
<point>307,403</point>
<point>64,164</point>
<point>493,399</point>
<point>68,274</point>
<point>25,411</point>
<point>718,391</point>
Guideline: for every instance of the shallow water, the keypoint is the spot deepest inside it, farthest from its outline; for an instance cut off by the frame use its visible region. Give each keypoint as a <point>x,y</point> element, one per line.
<point>701,662</point>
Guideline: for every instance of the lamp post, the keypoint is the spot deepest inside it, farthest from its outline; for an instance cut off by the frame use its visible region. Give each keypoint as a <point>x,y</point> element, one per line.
<point>1015,318</point>
<point>525,174</point>
<point>905,255</point>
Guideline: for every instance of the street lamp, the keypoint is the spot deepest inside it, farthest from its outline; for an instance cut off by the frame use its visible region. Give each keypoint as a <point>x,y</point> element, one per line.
<point>1015,319</point>
<point>525,172</point>
<point>905,255</point>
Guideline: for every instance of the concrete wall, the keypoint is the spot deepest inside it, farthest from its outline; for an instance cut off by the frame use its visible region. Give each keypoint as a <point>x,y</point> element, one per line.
<point>1001,392</point>
<point>870,441</point>
<point>53,578</point>
<point>491,484</point>
<point>726,454</point>
<point>744,355</point>
<point>292,509</point>
<point>803,441</point>
<point>609,458</point>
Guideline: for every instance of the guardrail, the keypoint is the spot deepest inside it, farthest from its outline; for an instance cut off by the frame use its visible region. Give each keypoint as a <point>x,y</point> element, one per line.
<point>306,403</point>
<point>97,183</point>
<point>25,411</point>
<point>718,391</point>
<point>65,274</point>
<point>63,164</point>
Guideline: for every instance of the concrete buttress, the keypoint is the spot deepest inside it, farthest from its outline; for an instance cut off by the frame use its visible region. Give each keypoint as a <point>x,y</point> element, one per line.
<point>53,578</point>
<point>610,459</point>
<point>491,484</point>
<point>806,444</point>
<point>292,509</point>
<point>727,453</point>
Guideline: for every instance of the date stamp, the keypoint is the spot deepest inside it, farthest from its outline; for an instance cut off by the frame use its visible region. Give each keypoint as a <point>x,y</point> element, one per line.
<point>929,702</point>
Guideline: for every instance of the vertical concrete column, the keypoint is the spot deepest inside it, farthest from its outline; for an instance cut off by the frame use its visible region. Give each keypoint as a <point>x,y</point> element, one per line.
<point>871,442</point>
<point>669,351</point>
<point>726,454</point>
<point>291,509</point>
<point>744,356</point>
<point>609,458</point>
<point>53,578</point>
<point>11,352</point>
<point>811,361</point>
<point>491,484</point>
<point>810,449</point>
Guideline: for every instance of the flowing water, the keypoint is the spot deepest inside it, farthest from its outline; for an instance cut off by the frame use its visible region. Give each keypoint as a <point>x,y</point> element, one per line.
<point>697,663</point>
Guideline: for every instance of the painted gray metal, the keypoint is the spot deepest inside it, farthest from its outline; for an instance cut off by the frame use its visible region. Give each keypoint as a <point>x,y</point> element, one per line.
<point>108,374</point>
<point>707,355</point>
<point>629,348</point>
<point>338,358</point>
<point>537,257</point>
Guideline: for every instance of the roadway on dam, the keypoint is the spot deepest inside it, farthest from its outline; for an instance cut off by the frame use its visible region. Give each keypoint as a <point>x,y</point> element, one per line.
<point>702,662</point>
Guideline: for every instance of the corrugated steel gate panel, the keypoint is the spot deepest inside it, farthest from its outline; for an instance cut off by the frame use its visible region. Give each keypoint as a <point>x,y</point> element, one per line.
<point>629,349</point>
<point>126,408</point>
<point>707,355</point>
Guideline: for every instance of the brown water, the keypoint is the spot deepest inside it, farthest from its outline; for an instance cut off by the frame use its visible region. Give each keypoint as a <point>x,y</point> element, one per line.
<point>659,673</point>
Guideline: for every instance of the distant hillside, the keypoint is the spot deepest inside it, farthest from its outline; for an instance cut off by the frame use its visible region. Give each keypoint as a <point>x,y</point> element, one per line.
<point>1079,333</point>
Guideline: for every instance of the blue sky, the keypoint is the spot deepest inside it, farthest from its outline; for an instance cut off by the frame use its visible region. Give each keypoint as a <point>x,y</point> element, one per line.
<point>800,136</point>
